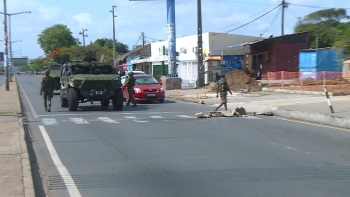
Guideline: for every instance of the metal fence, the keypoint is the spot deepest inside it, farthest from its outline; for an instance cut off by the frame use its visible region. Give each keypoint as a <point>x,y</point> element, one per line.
<point>310,81</point>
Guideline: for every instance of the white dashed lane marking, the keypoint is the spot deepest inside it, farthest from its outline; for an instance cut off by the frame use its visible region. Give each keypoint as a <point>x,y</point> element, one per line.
<point>79,121</point>
<point>108,120</point>
<point>49,121</point>
<point>157,117</point>
<point>184,116</point>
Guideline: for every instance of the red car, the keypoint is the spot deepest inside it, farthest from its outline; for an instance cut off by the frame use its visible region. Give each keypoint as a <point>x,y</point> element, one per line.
<point>146,89</point>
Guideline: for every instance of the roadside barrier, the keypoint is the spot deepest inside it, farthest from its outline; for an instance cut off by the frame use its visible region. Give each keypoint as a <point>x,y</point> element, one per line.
<point>328,99</point>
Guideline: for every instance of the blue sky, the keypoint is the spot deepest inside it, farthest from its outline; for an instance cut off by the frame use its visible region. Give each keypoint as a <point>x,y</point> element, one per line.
<point>134,17</point>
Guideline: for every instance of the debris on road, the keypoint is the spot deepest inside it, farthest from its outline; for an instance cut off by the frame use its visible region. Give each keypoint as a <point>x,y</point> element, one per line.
<point>238,112</point>
<point>238,80</point>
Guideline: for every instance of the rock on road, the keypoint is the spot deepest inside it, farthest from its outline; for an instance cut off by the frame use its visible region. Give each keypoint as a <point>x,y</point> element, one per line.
<point>161,150</point>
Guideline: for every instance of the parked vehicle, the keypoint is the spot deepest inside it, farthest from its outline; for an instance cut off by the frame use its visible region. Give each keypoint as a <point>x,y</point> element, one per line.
<point>123,78</point>
<point>146,89</point>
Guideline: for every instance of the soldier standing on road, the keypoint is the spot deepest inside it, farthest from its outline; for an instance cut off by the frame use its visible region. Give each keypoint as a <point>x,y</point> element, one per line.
<point>130,83</point>
<point>223,88</point>
<point>46,89</point>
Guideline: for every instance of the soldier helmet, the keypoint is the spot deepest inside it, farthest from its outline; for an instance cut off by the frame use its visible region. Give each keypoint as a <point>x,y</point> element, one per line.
<point>47,72</point>
<point>131,73</point>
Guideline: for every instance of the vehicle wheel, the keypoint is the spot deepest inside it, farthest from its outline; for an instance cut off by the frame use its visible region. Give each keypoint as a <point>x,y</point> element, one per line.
<point>161,101</point>
<point>118,100</point>
<point>105,103</point>
<point>64,101</point>
<point>72,99</point>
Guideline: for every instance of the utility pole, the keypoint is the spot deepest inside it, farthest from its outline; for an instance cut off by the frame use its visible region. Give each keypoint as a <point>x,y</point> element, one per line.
<point>84,35</point>
<point>200,45</point>
<point>6,63</point>
<point>114,53</point>
<point>143,49</point>
<point>282,25</point>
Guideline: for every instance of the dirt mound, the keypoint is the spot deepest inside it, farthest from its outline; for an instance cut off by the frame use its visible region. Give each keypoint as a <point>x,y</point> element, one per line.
<point>239,80</point>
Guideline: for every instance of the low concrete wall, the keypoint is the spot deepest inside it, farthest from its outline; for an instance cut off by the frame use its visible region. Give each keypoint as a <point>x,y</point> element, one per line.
<point>172,83</point>
<point>305,92</point>
<point>313,117</point>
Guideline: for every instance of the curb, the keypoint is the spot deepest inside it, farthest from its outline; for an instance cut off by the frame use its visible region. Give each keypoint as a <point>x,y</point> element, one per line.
<point>314,117</point>
<point>305,92</point>
<point>28,185</point>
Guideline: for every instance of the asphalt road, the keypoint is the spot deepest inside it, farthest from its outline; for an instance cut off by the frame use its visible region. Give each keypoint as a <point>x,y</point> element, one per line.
<point>158,150</point>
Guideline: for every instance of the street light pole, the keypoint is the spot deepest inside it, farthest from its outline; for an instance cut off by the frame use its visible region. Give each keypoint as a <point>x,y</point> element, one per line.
<point>8,40</point>
<point>114,53</point>
<point>7,83</point>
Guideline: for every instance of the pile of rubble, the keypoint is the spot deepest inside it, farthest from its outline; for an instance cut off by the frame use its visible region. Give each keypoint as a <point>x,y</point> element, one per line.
<point>238,80</point>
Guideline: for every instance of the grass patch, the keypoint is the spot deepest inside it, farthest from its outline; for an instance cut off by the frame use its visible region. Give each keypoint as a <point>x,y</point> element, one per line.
<point>10,112</point>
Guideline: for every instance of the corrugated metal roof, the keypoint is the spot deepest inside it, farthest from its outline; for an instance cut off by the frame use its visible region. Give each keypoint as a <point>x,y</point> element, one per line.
<point>325,48</point>
<point>286,35</point>
<point>124,56</point>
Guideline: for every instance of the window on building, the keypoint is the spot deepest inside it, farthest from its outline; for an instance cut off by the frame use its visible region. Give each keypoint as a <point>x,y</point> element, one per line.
<point>267,57</point>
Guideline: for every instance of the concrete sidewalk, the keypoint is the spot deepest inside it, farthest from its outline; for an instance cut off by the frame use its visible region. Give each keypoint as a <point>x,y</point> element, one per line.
<point>15,170</point>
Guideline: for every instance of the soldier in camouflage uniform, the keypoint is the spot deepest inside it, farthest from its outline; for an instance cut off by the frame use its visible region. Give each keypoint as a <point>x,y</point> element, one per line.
<point>130,83</point>
<point>223,88</point>
<point>46,89</point>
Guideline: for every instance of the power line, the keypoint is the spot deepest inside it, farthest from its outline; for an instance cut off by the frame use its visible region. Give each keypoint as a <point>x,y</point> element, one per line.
<point>271,24</point>
<point>137,42</point>
<point>153,38</point>
<point>311,6</point>
<point>253,20</point>
<point>248,3</point>
<point>247,18</point>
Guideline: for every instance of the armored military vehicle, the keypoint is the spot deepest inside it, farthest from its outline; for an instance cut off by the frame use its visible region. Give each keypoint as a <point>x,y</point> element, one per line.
<point>55,72</point>
<point>89,81</point>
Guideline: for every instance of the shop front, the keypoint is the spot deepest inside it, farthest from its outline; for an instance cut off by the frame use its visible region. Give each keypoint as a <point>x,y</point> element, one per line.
<point>141,65</point>
<point>159,66</point>
<point>212,66</point>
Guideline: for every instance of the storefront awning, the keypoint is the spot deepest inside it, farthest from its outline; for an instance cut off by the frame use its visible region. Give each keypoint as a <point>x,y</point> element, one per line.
<point>213,58</point>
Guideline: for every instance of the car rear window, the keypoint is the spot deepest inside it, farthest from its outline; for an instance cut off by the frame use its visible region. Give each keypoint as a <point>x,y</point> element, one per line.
<point>146,80</point>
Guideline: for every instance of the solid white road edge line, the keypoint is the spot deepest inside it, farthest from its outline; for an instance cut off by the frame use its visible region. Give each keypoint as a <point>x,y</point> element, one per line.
<point>29,103</point>
<point>67,178</point>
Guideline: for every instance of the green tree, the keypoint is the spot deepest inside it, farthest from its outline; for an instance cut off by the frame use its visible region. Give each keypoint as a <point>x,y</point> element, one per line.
<point>56,36</point>
<point>331,17</point>
<point>23,68</point>
<point>108,42</point>
<point>136,46</point>
<point>324,27</point>
<point>78,52</point>
<point>37,63</point>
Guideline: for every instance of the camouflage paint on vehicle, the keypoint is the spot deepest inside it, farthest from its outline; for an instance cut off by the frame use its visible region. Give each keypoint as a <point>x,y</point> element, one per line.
<point>89,81</point>
<point>55,72</point>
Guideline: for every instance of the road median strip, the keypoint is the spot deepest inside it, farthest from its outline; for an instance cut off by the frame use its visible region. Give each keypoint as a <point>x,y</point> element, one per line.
<point>313,117</point>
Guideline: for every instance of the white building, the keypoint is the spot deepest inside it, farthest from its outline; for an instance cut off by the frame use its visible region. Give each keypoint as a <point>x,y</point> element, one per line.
<point>213,44</point>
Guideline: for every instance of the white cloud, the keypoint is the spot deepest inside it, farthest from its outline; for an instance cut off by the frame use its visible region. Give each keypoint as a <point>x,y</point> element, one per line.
<point>48,13</point>
<point>84,19</point>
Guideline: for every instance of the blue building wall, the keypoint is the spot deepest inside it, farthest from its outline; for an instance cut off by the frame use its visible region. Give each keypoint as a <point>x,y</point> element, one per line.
<point>128,62</point>
<point>231,62</point>
<point>313,61</point>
